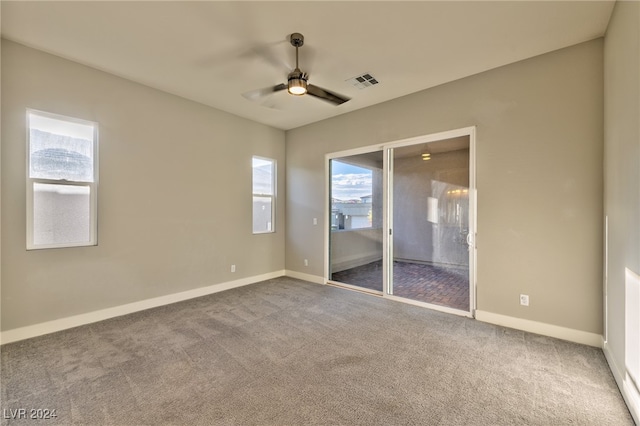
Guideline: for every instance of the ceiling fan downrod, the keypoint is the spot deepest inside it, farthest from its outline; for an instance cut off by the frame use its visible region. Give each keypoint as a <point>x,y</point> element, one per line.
<point>297,40</point>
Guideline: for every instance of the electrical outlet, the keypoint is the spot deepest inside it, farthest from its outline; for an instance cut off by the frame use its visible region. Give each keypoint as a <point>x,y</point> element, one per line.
<point>306,262</point>
<point>524,299</point>
<point>233,268</point>
<point>315,220</point>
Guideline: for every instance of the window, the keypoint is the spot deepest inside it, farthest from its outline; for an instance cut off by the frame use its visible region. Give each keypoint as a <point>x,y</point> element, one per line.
<point>61,181</point>
<point>264,195</point>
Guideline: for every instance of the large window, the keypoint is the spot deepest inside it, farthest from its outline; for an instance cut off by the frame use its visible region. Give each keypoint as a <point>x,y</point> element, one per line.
<point>264,195</point>
<point>61,181</point>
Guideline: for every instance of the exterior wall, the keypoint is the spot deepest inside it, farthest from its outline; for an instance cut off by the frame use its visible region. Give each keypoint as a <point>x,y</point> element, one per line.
<point>539,177</point>
<point>622,187</point>
<point>174,206</point>
<point>355,247</point>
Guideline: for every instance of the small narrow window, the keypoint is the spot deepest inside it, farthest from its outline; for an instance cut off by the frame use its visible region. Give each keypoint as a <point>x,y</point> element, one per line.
<point>61,181</point>
<point>264,195</point>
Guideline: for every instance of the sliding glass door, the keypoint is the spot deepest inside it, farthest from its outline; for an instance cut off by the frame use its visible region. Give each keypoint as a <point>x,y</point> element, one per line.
<point>402,220</point>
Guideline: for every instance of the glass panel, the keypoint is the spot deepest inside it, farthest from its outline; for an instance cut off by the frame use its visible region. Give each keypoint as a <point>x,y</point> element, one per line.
<point>262,212</point>
<point>356,220</point>
<point>263,181</point>
<point>262,176</point>
<point>60,149</point>
<point>431,223</point>
<point>61,214</point>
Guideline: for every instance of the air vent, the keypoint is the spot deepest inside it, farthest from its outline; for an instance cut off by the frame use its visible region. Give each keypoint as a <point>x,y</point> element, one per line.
<point>363,81</point>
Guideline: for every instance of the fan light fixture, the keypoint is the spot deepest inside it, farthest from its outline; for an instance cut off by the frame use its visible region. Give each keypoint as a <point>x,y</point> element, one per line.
<point>297,84</point>
<point>297,87</point>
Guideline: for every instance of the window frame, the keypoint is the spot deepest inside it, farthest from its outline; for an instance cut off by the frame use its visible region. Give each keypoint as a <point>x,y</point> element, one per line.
<point>272,196</point>
<point>31,182</point>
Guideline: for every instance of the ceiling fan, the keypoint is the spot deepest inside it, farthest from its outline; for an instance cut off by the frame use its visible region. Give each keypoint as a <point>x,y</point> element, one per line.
<point>297,82</point>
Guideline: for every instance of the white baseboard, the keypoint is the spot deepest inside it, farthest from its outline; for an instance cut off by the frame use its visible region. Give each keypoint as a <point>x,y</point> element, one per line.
<point>305,277</point>
<point>35,330</point>
<point>632,398</point>
<point>613,365</point>
<point>550,330</point>
<point>623,381</point>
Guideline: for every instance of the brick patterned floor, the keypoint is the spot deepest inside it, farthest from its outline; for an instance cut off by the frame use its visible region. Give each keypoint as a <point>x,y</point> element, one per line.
<point>445,286</point>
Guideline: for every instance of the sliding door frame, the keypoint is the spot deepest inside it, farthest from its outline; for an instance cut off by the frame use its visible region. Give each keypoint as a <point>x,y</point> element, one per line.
<point>387,240</point>
<point>388,216</point>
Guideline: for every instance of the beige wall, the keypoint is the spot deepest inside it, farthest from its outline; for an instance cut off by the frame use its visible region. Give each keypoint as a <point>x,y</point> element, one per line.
<point>622,167</point>
<point>539,178</point>
<point>174,193</point>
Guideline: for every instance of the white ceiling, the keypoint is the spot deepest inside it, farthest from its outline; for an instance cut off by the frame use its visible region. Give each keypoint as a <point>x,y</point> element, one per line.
<point>212,52</point>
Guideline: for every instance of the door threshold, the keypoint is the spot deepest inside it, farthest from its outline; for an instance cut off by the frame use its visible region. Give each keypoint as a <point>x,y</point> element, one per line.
<point>433,307</point>
<point>355,288</point>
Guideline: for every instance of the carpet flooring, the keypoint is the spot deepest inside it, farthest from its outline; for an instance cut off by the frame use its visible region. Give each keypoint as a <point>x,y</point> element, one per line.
<point>287,352</point>
<point>435,284</point>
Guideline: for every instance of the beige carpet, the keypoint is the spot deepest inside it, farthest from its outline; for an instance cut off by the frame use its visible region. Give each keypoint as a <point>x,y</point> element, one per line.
<point>286,352</point>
